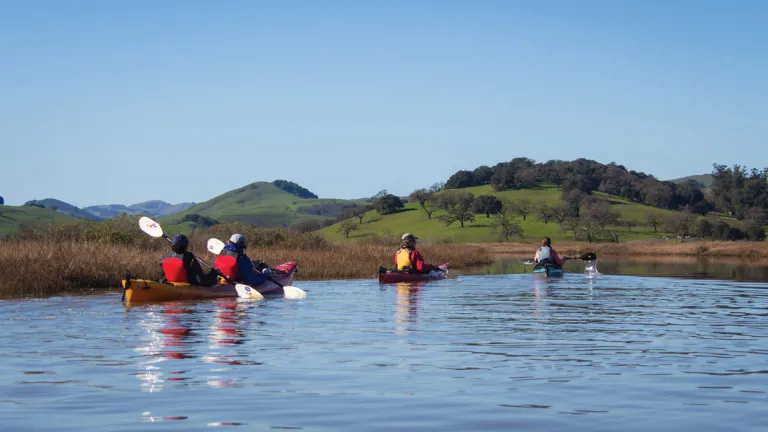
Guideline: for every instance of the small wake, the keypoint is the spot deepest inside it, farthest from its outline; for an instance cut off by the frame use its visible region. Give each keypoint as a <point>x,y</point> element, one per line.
<point>590,270</point>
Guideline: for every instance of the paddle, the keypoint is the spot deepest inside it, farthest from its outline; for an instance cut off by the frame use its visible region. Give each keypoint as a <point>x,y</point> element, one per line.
<point>155,230</point>
<point>589,256</point>
<point>215,246</point>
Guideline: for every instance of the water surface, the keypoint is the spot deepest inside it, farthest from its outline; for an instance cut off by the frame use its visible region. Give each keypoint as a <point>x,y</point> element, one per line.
<point>483,352</point>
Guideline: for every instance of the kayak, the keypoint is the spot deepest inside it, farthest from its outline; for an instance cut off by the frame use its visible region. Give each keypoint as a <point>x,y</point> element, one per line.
<point>142,290</point>
<point>548,271</point>
<point>394,276</point>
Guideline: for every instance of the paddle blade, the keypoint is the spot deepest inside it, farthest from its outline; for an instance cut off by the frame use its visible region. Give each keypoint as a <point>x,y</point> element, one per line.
<point>150,227</point>
<point>244,291</point>
<point>291,292</point>
<point>591,256</point>
<point>529,261</point>
<point>215,246</point>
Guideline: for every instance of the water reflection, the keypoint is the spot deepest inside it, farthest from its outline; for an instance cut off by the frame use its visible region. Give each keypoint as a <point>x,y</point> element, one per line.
<point>688,267</point>
<point>497,352</point>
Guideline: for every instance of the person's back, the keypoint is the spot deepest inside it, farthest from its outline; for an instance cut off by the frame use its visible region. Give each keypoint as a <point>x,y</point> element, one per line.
<point>407,258</point>
<point>179,265</point>
<point>233,260</point>
<point>546,255</point>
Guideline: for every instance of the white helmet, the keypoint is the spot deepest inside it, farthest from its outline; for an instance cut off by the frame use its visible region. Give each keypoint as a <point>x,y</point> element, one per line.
<point>238,239</point>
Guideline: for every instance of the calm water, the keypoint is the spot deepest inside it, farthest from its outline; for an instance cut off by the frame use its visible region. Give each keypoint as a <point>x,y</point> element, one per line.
<point>482,352</point>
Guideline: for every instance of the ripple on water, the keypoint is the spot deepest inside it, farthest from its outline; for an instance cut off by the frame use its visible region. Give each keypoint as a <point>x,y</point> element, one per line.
<point>486,352</point>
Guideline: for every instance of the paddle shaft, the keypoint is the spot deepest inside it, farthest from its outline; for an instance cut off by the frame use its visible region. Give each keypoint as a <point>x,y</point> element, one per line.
<point>204,263</point>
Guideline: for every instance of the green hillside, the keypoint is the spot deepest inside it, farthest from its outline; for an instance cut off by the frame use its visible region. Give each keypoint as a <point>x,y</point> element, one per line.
<point>413,219</point>
<point>263,204</point>
<point>12,218</point>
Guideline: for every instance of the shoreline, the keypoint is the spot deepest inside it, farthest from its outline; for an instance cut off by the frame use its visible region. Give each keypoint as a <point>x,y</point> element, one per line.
<point>638,248</point>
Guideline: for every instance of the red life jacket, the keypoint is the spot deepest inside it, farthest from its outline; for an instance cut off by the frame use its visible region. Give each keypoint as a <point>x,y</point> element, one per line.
<point>174,270</point>
<point>227,265</point>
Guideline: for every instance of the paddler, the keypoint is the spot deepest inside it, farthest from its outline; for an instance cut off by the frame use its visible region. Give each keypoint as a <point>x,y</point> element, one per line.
<point>546,255</point>
<point>407,258</point>
<point>242,268</point>
<point>179,265</point>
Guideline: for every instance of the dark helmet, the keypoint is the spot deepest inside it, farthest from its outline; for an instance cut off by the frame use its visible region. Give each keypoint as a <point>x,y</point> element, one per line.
<point>179,243</point>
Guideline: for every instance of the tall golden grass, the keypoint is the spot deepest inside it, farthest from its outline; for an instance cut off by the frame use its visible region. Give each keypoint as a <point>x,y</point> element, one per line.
<point>35,267</point>
<point>741,249</point>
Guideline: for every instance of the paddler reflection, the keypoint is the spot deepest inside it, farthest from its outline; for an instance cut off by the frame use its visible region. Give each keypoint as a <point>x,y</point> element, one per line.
<point>406,304</point>
<point>229,326</point>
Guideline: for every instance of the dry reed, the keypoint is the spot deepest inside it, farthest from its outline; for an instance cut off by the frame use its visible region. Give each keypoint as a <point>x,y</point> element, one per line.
<point>36,268</point>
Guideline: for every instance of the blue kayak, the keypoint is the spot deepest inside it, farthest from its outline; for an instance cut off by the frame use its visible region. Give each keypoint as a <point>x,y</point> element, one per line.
<point>548,271</point>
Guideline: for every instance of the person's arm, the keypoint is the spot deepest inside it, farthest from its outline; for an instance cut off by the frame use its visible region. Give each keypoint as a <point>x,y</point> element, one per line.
<point>556,259</point>
<point>536,256</point>
<point>247,272</point>
<point>419,263</point>
<point>193,269</point>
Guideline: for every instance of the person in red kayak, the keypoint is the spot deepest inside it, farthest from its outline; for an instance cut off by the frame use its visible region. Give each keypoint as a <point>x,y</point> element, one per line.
<point>179,265</point>
<point>407,258</point>
<point>546,255</point>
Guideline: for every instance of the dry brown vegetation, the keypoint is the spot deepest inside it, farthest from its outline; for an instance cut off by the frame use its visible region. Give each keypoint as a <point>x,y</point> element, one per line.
<point>753,250</point>
<point>88,255</point>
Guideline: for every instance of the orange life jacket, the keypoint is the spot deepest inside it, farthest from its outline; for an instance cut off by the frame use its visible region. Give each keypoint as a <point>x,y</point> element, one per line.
<point>174,270</point>
<point>227,265</point>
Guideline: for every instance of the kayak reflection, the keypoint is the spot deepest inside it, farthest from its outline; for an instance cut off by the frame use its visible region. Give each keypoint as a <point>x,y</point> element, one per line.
<point>406,304</point>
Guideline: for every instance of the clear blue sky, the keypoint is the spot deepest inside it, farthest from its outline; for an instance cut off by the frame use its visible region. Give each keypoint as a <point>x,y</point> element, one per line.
<point>125,101</point>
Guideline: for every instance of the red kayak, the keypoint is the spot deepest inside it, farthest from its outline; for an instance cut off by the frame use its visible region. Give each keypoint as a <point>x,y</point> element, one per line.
<point>394,276</point>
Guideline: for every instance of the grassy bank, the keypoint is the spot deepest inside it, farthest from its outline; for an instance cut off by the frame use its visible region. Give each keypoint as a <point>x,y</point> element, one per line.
<point>85,256</point>
<point>688,248</point>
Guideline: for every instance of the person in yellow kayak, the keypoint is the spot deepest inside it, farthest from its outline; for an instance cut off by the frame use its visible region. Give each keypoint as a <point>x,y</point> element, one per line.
<point>235,264</point>
<point>547,255</point>
<point>179,265</point>
<point>407,258</point>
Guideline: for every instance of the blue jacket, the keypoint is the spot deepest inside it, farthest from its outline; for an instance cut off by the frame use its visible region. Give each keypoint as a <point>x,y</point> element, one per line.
<point>247,274</point>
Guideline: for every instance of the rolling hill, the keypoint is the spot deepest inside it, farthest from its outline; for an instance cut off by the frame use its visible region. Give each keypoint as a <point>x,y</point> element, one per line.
<point>153,208</point>
<point>13,218</point>
<point>263,204</point>
<point>413,219</point>
<point>63,207</point>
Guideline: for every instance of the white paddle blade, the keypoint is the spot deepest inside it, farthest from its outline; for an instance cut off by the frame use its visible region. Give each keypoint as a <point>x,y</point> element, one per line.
<point>244,291</point>
<point>215,246</point>
<point>291,292</point>
<point>150,227</point>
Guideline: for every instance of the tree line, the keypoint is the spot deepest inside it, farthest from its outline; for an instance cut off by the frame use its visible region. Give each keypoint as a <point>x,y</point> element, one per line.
<point>581,177</point>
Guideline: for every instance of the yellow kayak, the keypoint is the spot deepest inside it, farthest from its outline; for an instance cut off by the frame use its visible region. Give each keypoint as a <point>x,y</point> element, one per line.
<point>143,290</point>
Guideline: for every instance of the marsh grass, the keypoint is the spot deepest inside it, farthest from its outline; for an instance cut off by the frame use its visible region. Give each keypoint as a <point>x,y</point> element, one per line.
<point>86,256</point>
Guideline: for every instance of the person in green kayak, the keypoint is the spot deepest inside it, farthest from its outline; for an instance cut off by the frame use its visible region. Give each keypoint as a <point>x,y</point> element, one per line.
<point>407,258</point>
<point>547,255</point>
<point>180,265</point>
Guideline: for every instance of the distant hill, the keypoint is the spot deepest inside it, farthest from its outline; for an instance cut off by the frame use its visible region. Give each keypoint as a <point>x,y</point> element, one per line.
<point>704,180</point>
<point>13,218</point>
<point>413,219</point>
<point>264,204</point>
<point>63,207</point>
<point>150,208</point>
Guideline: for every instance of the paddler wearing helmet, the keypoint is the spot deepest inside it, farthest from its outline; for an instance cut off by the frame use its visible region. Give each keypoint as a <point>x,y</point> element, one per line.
<point>243,269</point>
<point>407,258</point>
<point>180,265</point>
